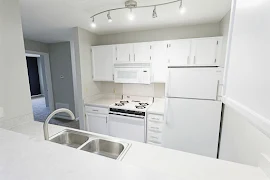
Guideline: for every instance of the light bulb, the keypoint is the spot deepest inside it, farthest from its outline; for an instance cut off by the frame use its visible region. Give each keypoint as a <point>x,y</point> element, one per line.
<point>93,24</point>
<point>182,8</point>
<point>131,16</point>
<point>109,17</point>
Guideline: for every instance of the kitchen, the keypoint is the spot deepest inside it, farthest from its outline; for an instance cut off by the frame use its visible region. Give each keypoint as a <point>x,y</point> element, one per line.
<point>165,101</point>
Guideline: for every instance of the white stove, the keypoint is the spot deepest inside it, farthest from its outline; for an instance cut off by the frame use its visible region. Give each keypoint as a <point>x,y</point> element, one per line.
<point>127,118</point>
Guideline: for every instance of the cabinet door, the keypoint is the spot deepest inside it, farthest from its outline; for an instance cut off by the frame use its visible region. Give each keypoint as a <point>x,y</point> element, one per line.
<point>159,61</point>
<point>97,123</point>
<point>205,51</point>
<point>141,52</point>
<point>124,53</point>
<point>102,58</point>
<point>179,52</point>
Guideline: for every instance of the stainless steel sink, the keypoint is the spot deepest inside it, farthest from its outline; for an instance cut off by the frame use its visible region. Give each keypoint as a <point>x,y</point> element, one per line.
<point>70,138</point>
<point>101,145</point>
<point>104,148</point>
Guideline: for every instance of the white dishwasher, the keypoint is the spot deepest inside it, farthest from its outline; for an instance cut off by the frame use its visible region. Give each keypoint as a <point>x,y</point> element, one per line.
<point>127,125</point>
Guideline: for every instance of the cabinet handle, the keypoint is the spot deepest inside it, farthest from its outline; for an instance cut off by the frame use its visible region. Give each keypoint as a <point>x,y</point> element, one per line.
<point>217,90</point>
<point>95,110</point>
<point>129,57</point>
<point>188,59</point>
<point>194,59</point>
<point>134,57</point>
<point>106,120</point>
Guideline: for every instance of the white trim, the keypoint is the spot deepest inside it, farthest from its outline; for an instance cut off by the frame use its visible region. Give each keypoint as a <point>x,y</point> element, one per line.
<point>32,55</point>
<point>257,120</point>
<point>48,77</point>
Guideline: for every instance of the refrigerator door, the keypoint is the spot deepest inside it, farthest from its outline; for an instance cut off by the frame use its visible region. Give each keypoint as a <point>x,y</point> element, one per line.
<point>194,83</point>
<point>192,126</point>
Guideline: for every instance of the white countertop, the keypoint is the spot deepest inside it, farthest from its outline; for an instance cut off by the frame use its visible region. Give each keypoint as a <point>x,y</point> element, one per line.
<point>41,158</point>
<point>157,107</point>
<point>24,158</point>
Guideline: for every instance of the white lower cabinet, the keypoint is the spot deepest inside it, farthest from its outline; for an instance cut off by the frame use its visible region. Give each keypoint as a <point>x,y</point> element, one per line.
<point>97,122</point>
<point>155,126</point>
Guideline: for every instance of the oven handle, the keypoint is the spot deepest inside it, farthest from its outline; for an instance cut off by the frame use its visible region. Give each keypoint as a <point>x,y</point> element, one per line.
<point>125,115</point>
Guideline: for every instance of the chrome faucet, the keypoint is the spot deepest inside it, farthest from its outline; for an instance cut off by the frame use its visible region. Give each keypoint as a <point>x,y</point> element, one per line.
<point>45,125</point>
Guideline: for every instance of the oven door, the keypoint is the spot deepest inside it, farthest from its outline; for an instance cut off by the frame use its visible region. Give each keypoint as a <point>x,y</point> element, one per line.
<point>127,127</point>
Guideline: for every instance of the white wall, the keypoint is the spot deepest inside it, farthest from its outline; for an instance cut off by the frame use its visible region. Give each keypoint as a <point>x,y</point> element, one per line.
<point>152,90</point>
<point>205,30</point>
<point>241,142</point>
<point>36,46</point>
<point>61,65</point>
<point>246,124</point>
<point>15,90</point>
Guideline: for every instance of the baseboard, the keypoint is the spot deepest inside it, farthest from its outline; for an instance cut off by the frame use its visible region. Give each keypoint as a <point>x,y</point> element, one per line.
<point>35,96</point>
<point>264,164</point>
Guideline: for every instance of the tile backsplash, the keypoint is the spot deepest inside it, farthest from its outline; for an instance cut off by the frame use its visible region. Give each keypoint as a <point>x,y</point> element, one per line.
<point>153,90</point>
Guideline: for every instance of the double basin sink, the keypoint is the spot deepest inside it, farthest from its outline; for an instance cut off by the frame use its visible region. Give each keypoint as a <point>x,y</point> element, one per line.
<point>108,147</point>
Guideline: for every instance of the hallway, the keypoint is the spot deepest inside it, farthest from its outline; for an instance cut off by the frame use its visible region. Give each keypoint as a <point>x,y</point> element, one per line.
<point>41,112</point>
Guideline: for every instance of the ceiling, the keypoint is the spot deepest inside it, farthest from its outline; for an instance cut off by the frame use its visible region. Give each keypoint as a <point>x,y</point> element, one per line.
<point>51,20</point>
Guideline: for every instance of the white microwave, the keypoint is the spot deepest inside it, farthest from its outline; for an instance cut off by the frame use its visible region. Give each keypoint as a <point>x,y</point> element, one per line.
<point>134,75</point>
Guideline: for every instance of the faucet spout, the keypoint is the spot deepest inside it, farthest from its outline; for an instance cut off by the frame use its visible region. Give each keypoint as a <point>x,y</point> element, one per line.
<point>45,125</point>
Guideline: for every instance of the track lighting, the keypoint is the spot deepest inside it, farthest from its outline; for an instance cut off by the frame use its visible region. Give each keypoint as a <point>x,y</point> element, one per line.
<point>109,17</point>
<point>154,13</point>
<point>93,24</point>
<point>132,4</point>
<point>182,8</point>
<point>131,16</point>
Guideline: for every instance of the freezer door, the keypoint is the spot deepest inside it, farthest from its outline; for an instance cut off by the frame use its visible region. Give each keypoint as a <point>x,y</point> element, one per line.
<point>196,83</point>
<point>192,126</point>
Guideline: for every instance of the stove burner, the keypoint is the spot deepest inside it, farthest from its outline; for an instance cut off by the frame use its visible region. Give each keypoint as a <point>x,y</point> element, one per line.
<point>124,102</point>
<point>143,104</point>
<point>140,107</point>
<point>119,104</point>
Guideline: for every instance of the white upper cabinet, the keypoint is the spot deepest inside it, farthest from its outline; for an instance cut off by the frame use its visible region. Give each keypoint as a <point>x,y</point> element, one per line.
<point>102,62</point>
<point>205,51</point>
<point>159,61</point>
<point>124,53</point>
<point>141,52</point>
<point>178,52</point>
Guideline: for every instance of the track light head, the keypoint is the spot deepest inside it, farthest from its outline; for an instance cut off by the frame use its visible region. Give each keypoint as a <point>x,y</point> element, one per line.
<point>93,24</point>
<point>131,16</point>
<point>182,8</point>
<point>109,17</point>
<point>154,13</point>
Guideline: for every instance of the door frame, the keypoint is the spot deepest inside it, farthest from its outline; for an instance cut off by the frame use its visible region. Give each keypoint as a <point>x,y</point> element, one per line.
<point>48,77</point>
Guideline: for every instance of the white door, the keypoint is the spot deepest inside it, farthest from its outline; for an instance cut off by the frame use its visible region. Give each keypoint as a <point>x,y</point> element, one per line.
<point>102,60</point>
<point>97,123</point>
<point>159,61</point>
<point>179,52</point>
<point>125,127</point>
<point>192,126</point>
<point>196,83</point>
<point>124,53</point>
<point>141,52</point>
<point>205,51</point>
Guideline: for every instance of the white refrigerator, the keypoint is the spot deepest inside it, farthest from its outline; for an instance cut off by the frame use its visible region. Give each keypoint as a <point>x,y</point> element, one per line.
<point>193,110</point>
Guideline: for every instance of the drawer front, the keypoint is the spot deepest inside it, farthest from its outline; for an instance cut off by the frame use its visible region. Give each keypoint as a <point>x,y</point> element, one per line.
<point>155,118</point>
<point>154,137</point>
<point>154,143</point>
<point>99,110</point>
<point>154,126</point>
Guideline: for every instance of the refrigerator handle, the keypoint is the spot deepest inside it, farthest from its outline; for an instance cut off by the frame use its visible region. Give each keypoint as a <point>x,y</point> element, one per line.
<point>167,84</point>
<point>166,111</point>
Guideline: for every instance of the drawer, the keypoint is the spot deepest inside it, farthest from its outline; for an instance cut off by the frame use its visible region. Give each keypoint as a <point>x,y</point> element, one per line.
<point>154,137</point>
<point>154,126</point>
<point>99,110</point>
<point>154,143</point>
<point>154,117</point>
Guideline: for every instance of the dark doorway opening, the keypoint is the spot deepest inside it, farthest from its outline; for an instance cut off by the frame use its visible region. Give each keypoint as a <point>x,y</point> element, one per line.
<point>32,66</point>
